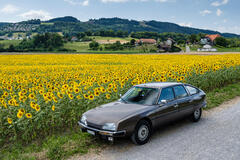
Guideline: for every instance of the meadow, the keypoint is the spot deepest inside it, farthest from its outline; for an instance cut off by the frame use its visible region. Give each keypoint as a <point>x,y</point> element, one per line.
<point>41,95</point>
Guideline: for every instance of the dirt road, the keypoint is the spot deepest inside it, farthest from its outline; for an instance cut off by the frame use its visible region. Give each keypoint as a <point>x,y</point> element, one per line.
<point>215,137</point>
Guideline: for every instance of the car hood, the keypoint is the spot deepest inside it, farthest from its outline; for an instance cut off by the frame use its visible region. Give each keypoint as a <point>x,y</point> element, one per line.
<point>113,112</point>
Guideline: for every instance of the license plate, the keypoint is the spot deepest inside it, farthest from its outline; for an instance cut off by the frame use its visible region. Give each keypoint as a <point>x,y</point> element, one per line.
<point>91,132</point>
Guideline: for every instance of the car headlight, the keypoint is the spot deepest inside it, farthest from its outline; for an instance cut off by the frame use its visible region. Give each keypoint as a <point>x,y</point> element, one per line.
<point>109,126</point>
<point>84,119</point>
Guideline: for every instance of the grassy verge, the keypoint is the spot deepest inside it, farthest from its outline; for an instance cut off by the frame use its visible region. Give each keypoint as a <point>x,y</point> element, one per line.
<point>218,96</point>
<point>64,145</point>
<point>54,147</point>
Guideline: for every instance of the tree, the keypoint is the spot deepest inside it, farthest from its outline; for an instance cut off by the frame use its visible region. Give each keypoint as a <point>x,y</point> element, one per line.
<point>221,41</point>
<point>11,48</point>
<point>193,38</point>
<point>132,42</point>
<point>94,45</point>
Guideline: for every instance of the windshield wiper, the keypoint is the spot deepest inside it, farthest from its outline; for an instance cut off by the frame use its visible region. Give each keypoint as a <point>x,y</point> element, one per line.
<point>123,100</point>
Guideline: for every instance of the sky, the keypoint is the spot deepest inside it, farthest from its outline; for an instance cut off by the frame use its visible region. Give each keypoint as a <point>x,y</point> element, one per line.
<point>218,15</point>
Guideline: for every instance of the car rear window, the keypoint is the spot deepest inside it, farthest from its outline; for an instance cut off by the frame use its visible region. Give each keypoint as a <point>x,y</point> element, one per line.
<point>192,90</point>
<point>180,91</point>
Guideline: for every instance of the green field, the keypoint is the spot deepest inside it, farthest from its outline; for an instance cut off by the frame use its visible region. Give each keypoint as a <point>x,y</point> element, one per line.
<point>7,43</point>
<point>111,38</point>
<point>78,46</point>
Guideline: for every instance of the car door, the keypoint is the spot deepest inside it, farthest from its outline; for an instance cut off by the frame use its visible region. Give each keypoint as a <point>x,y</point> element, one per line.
<point>165,112</point>
<point>184,101</point>
<point>196,98</point>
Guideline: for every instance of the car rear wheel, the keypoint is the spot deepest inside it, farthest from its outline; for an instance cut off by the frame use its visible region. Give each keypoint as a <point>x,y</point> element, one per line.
<point>141,133</point>
<point>196,116</point>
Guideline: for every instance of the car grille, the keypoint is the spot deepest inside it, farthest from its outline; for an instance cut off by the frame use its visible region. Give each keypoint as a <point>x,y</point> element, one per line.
<point>92,125</point>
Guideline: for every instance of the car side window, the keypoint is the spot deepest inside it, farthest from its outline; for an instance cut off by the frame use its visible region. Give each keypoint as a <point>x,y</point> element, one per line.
<point>167,94</point>
<point>180,91</point>
<point>192,90</point>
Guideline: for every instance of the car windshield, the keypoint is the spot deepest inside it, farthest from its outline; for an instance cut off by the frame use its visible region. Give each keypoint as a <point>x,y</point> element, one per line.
<point>141,95</point>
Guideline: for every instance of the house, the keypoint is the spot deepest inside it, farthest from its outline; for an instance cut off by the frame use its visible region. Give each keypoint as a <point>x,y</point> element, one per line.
<point>166,45</point>
<point>212,37</point>
<point>209,39</point>
<point>146,41</point>
<point>74,39</point>
<point>207,48</point>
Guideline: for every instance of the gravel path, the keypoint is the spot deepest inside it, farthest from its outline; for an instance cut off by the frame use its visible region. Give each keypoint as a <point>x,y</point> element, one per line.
<point>215,137</point>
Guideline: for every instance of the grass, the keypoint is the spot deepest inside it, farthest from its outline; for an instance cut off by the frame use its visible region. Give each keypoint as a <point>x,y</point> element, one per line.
<point>54,147</point>
<point>221,49</point>
<point>220,95</point>
<point>78,46</point>
<point>64,145</point>
<point>7,43</point>
<point>110,38</point>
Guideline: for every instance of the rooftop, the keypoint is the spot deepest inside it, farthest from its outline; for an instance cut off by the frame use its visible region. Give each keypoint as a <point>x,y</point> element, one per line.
<point>213,36</point>
<point>158,84</point>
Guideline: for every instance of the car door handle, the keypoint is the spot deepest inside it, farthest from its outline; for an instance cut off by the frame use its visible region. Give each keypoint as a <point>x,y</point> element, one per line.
<point>176,105</point>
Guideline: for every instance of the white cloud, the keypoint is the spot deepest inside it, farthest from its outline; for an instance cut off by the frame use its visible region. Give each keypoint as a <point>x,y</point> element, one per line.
<point>116,1</point>
<point>9,9</point>
<point>186,24</point>
<point>229,29</point>
<point>77,2</point>
<point>205,12</point>
<point>36,14</point>
<point>219,12</point>
<point>218,3</point>
<point>121,1</point>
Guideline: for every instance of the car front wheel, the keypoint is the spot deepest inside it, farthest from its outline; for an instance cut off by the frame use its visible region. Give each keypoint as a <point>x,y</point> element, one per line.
<point>196,116</point>
<point>142,133</point>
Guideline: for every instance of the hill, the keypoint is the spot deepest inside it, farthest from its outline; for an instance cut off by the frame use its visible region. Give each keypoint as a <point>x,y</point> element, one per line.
<point>70,24</point>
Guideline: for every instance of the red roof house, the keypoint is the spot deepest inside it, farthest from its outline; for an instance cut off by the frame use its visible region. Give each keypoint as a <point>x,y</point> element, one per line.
<point>147,41</point>
<point>212,37</point>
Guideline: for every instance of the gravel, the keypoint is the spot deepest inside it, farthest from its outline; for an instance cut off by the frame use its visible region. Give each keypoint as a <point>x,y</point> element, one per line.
<point>215,137</point>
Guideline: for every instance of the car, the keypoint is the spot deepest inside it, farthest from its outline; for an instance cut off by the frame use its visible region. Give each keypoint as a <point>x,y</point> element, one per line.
<point>143,108</point>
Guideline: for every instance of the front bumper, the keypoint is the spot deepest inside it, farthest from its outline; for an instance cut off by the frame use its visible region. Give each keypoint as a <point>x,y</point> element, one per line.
<point>96,131</point>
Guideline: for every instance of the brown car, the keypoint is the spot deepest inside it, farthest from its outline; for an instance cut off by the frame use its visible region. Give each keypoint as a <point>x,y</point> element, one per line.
<point>143,108</point>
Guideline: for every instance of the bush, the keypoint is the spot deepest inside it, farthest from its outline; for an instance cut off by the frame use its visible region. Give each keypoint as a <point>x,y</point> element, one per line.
<point>94,45</point>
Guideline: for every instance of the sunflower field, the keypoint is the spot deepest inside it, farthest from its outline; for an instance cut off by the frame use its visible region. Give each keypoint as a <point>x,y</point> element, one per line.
<point>44,94</point>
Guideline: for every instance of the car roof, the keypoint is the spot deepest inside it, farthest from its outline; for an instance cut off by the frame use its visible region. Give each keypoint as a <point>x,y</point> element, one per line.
<point>158,84</point>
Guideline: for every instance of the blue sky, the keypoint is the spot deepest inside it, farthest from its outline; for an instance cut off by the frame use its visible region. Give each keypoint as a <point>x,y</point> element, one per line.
<point>220,15</point>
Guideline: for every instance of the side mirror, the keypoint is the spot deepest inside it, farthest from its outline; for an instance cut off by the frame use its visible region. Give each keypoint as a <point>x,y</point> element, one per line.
<point>163,102</point>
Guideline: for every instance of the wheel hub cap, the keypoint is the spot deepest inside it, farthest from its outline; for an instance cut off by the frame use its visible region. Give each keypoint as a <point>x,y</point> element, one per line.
<point>197,113</point>
<point>143,132</point>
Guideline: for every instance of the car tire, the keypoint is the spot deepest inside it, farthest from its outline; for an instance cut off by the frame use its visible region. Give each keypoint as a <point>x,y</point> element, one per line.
<point>196,115</point>
<point>142,132</point>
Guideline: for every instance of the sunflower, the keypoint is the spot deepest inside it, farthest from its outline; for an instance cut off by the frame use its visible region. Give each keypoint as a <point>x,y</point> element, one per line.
<point>32,104</point>
<point>53,108</point>
<point>70,96</point>
<point>85,96</point>
<point>55,99</point>
<point>9,121</point>
<point>108,96</point>
<point>96,93</point>
<point>41,92</point>
<point>79,97</point>
<point>60,95</point>
<point>115,89</point>
<point>37,107</point>
<point>19,115</point>
<point>103,90</point>
<point>91,97</point>
<point>76,90</point>
<point>28,115</point>
<point>22,110</point>
<point>31,96</point>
